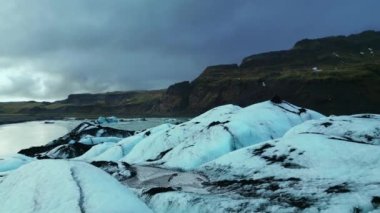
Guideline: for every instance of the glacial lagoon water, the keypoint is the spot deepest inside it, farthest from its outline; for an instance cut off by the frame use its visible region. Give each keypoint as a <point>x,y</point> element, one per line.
<point>14,137</point>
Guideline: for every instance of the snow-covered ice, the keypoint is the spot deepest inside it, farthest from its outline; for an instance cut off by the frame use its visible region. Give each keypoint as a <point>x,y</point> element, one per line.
<point>314,163</point>
<point>107,120</point>
<point>78,141</point>
<point>217,132</point>
<point>65,186</point>
<point>91,140</point>
<point>361,128</point>
<point>267,157</point>
<point>116,151</point>
<point>11,162</point>
<point>313,168</point>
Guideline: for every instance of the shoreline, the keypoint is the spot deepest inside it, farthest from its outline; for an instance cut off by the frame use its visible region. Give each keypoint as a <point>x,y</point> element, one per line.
<point>15,118</point>
<point>20,118</point>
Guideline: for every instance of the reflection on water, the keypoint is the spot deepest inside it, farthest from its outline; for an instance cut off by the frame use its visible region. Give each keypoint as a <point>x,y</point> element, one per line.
<point>14,137</point>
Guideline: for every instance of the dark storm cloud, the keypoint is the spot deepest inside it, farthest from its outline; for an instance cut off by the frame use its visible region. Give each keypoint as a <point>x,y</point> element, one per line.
<point>49,49</point>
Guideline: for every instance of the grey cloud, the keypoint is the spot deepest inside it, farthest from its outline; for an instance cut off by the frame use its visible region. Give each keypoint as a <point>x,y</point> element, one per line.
<point>94,46</point>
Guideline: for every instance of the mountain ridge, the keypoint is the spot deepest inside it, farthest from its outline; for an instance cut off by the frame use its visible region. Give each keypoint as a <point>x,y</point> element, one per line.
<point>333,75</point>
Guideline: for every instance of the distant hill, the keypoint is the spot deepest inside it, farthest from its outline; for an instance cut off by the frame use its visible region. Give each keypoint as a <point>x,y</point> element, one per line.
<point>333,75</point>
<point>128,104</point>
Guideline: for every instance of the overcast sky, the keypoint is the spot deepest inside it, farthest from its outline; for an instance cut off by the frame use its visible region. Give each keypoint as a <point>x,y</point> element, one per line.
<point>49,49</point>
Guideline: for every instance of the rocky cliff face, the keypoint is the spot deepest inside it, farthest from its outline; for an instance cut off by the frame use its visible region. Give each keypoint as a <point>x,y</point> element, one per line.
<point>176,98</point>
<point>334,75</point>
